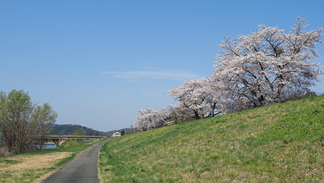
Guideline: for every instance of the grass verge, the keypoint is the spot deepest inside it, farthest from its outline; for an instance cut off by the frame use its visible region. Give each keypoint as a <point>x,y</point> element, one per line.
<point>23,168</point>
<point>276,143</point>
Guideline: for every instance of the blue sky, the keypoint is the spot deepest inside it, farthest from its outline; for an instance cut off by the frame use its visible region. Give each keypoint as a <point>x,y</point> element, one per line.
<point>97,62</point>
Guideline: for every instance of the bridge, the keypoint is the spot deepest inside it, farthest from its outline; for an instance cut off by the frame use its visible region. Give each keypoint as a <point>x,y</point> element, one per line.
<point>60,138</point>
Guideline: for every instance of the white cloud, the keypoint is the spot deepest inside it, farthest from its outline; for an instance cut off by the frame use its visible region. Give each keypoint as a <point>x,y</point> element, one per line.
<point>161,74</point>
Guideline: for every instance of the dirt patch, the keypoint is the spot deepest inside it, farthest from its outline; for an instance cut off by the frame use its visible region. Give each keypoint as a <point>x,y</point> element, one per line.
<point>34,161</point>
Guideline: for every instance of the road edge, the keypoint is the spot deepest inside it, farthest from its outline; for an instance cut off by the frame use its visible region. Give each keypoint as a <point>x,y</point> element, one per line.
<point>99,175</point>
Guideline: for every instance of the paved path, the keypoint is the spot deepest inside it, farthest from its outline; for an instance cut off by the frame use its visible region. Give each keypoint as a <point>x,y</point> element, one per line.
<point>83,168</point>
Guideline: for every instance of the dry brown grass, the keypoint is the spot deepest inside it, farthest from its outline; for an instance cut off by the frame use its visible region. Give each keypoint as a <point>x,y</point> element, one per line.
<point>34,161</point>
<point>26,167</point>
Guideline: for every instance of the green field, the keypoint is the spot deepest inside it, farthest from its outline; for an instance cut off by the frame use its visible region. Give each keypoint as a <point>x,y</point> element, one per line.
<point>276,143</point>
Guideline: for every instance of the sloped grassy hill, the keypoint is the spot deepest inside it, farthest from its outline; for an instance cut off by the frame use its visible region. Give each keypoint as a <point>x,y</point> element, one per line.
<point>276,143</point>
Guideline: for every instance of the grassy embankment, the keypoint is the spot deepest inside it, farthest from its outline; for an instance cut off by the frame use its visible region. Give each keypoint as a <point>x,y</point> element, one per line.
<point>27,167</point>
<point>276,143</point>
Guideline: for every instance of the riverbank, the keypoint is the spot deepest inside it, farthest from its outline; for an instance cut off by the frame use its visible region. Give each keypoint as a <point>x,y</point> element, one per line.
<point>4,151</point>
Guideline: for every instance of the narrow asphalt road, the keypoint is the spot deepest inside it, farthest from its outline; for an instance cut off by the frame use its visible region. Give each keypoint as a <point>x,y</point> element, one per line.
<point>83,168</point>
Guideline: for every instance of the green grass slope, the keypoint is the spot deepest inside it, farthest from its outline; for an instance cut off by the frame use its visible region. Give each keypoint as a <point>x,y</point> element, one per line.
<point>276,143</point>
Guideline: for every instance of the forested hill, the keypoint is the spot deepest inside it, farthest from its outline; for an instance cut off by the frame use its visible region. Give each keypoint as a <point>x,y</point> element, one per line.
<point>67,129</point>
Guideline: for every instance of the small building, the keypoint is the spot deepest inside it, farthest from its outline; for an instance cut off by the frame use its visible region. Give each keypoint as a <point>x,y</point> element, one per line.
<point>116,134</point>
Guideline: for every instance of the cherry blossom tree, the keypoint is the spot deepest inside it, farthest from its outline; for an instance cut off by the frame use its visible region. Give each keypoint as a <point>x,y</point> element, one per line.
<point>190,96</point>
<point>198,99</point>
<point>151,118</point>
<point>268,66</point>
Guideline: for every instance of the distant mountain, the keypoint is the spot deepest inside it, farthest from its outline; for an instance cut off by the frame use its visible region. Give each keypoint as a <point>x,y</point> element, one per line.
<point>68,129</point>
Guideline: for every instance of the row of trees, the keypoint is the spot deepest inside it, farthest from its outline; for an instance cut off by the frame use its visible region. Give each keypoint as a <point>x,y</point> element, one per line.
<point>268,66</point>
<point>24,124</point>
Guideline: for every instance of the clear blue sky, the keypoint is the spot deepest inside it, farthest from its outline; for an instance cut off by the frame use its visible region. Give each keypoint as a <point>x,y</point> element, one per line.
<point>97,62</point>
